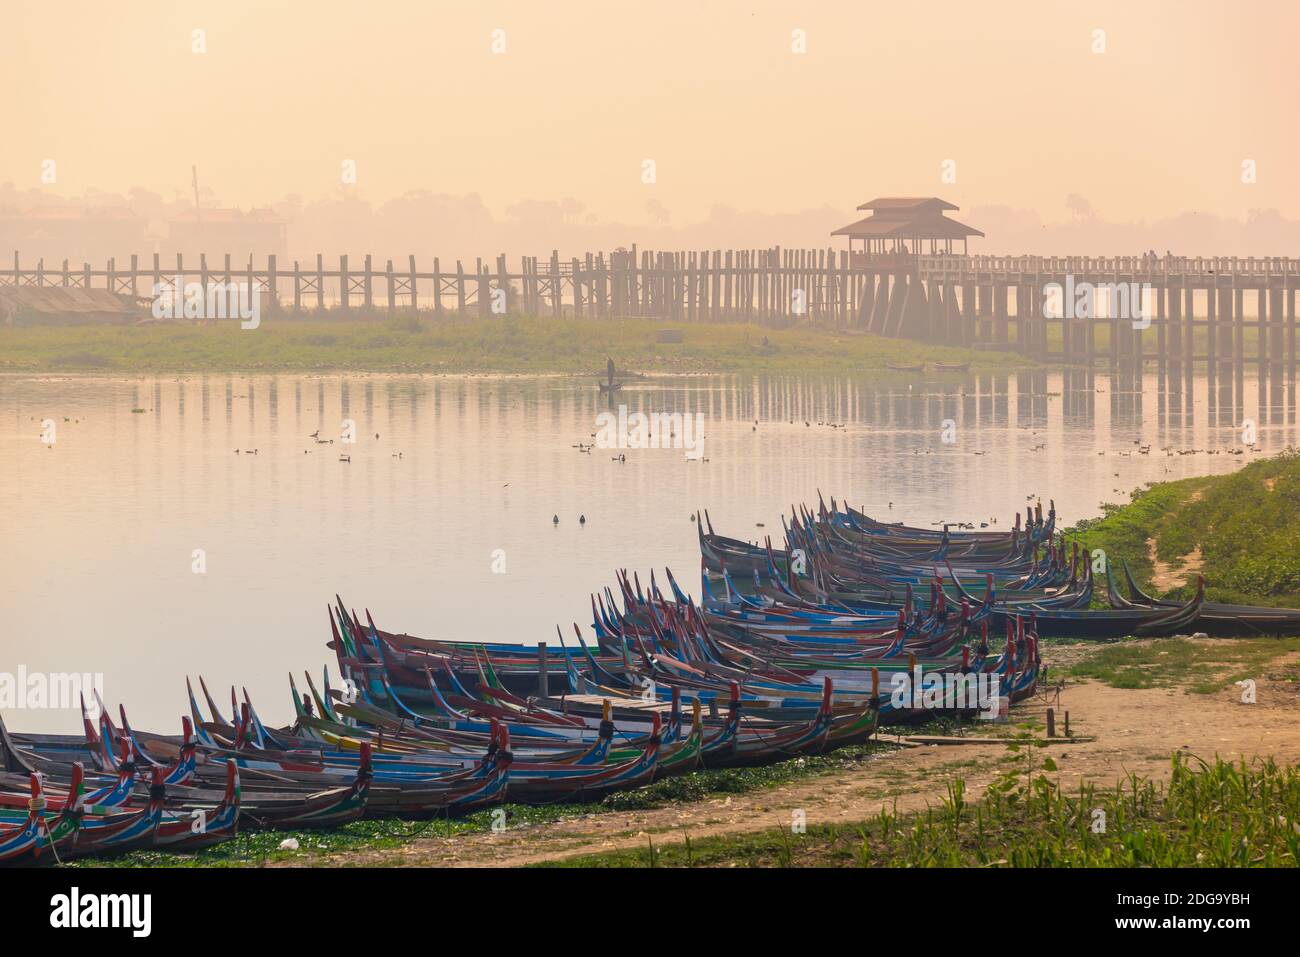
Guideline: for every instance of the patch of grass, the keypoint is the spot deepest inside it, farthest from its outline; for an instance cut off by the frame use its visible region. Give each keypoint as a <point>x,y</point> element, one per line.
<point>700,784</point>
<point>1209,815</point>
<point>1244,525</point>
<point>80,360</point>
<point>504,344</point>
<point>1197,666</point>
<point>254,846</point>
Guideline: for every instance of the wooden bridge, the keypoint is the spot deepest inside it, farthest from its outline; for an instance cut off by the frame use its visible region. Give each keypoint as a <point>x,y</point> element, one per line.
<point>1173,310</point>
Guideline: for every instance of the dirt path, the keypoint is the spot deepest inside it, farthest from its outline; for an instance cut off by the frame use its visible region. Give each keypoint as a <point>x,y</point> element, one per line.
<point>1135,731</point>
<point>1166,577</point>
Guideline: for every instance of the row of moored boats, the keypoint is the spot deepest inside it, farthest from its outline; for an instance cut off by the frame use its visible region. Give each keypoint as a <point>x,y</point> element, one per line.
<point>789,651</point>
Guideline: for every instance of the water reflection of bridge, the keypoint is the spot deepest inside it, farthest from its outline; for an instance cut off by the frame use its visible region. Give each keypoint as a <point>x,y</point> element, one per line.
<point>1045,400</point>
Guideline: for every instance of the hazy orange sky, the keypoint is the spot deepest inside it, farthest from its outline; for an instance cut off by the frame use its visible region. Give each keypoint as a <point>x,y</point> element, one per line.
<point>585,91</point>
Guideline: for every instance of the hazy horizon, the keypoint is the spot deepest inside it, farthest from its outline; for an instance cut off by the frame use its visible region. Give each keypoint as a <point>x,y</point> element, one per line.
<point>765,124</point>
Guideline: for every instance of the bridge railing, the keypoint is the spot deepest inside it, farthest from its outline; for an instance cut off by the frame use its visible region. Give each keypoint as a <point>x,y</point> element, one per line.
<point>1162,266</point>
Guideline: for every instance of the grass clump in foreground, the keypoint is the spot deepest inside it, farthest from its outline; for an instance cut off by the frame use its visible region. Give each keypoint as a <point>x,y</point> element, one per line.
<point>263,846</point>
<point>1197,666</point>
<point>1245,525</point>
<point>499,344</point>
<point>1208,815</point>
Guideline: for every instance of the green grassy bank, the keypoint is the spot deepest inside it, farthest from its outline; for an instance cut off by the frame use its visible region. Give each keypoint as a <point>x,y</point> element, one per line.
<point>497,345</point>
<point>1241,530</point>
<point>1208,815</point>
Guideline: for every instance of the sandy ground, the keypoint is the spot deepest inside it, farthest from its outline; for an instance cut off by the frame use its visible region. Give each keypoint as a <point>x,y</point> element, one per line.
<point>1133,731</point>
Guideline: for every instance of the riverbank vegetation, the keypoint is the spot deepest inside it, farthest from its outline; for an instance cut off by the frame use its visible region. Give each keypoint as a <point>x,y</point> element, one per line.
<point>1241,531</point>
<point>1207,815</point>
<point>508,344</point>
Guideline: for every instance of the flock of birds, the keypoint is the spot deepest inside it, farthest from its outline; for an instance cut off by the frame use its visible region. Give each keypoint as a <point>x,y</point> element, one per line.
<point>343,456</point>
<point>587,448</point>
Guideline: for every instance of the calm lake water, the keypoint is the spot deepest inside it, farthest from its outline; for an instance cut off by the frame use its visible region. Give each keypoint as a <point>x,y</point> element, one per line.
<point>450,477</point>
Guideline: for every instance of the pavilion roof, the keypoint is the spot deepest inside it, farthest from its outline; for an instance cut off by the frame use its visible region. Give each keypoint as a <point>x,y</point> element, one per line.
<point>913,204</point>
<point>927,227</point>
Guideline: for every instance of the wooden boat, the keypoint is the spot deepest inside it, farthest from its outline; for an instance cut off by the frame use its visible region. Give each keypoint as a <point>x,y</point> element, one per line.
<point>897,367</point>
<point>23,840</point>
<point>1215,619</point>
<point>952,367</point>
<point>789,650</point>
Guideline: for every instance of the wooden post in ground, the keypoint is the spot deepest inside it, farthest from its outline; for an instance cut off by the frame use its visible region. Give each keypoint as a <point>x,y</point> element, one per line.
<point>706,286</point>
<point>344,282</point>
<point>415,299</point>
<point>1000,322</point>
<point>1239,324</point>
<point>1161,332</point>
<point>484,294</point>
<point>272,284</point>
<point>1275,323</point>
<point>1225,321</point>
<point>437,288</point>
<point>1289,297</point>
<point>1211,327</point>
<point>576,281</point>
<point>503,281</point>
<point>1261,326</point>
<point>297,288</point>
<point>1175,340</point>
<point>1137,329</point>
<point>392,288</point>
<point>557,305</point>
<point>969,308</point>
<point>320,282</point>
<point>367,288</point>
<point>1051,722</point>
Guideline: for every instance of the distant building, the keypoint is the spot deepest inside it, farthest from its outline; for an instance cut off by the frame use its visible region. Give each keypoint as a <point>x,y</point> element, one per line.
<point>905,224</point>
<point>70,305</point>
<point>214,232</point>
<point>77,233</point>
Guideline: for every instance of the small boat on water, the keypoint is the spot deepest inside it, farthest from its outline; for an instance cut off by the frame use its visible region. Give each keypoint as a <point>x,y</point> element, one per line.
<point>952,367</point>
<point>896,367</point>
<point>610,385</point>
